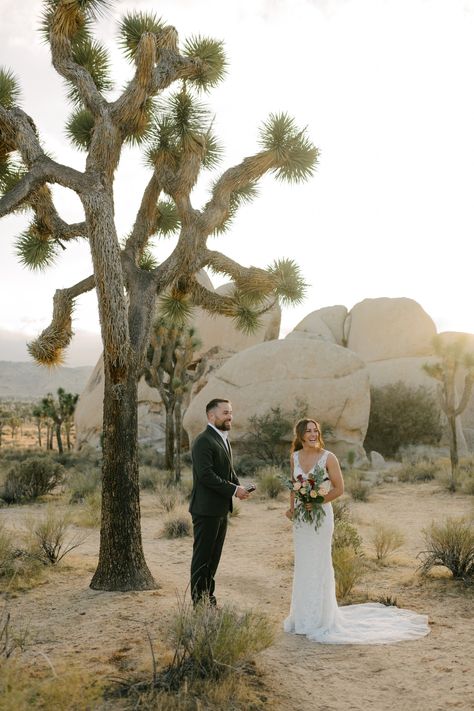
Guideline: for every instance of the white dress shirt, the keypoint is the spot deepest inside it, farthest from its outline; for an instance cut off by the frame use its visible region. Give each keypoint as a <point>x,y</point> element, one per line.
<point>224,436</point>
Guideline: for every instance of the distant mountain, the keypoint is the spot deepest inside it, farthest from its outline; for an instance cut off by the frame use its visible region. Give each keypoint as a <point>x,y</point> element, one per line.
<point>27,381</point>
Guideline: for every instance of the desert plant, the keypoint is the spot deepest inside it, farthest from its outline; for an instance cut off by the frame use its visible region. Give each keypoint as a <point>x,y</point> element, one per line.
<point>453,356</point>
<point>148,478</point>
<point>419,471</point>
<point>348,570</point>
<point>30,479</point>
<point>385,539</point>
<point>401,415</point>
<point>177,526</point>
<point>82,484</point>
<point>210,642</point>
<point>88,514</point>
<point>346,536</point>
<point>48,537</point>
<point>355,485</point>
<point>168,497</point>
<point>450,544</point>
<point>388,600</point>
<point>270,482</point>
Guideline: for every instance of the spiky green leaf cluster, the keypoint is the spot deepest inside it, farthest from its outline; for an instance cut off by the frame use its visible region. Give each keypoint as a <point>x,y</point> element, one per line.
<point>296,155</point>
<point>175,308</point>
<point>290,286</point>
<point>213,64</point>
<point>9,88</point>
<point>182,121</point>
<point>11,173</point>
<point>147,260</point>
<point>168,221</point>
<point>244,195</point>
<point>94,58</point>
<point>35,248</point>
<point>132,27</point>
<point>246,319</point>
<point>79,128</point>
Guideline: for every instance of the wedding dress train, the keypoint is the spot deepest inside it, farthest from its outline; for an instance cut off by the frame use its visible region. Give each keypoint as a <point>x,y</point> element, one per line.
<point>314,611</point>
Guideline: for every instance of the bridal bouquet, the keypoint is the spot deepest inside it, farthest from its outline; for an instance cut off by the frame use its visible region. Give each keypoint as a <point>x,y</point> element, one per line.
<point>310,491</point>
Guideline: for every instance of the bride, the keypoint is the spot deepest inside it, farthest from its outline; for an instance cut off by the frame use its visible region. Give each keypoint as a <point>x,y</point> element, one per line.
<point>314,611</point>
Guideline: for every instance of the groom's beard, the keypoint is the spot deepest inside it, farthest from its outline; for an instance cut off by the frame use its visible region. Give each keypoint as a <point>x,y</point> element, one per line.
<point>224,426</point>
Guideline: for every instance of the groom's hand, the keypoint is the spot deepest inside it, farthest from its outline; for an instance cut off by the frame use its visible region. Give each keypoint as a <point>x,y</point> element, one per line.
<point>241,493</point>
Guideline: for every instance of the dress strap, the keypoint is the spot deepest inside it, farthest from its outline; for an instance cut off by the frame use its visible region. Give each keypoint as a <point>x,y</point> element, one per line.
<point>322,462</point>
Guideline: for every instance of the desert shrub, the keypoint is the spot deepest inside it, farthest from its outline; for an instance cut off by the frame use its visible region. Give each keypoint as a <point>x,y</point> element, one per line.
<point>30,479</point>
<point>270,482</point>
<point>466,475</point>
<point>48,537</point>
<point>7,552</point>
<point>341,511</point>
<point>89,513</point>
<point>82,483</point>
<point>246,465</point>
<point>401,415</point>
<point>11,638</point>
<point>265,439</point>
<point>348,570</point>
<point>177,526</point>
<point>423,470</point>
<point>149,478</point>
<point>450,544</point>
<point>355,485</point>
<point>18,568</point>
<point>346,536</point>
<point>385,539</point>
<point>168,497</point>
<point>148,456</point>
<point>209,642</point>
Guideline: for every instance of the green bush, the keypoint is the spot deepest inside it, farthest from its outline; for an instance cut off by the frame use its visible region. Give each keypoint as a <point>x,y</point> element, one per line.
<point>82,483</point>
<point>346,536</point>
<point>450,544</point>
<point>385,539</point>
<point>177,526</point>
<point>270,482</point>
<point>400,415</point>
<point>30,479</point>
<point>419,471</point>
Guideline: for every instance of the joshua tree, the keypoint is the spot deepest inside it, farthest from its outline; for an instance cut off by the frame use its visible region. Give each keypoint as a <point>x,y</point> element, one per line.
<point>453,356</point>
<point>176,136</point>
<point>167,362</point>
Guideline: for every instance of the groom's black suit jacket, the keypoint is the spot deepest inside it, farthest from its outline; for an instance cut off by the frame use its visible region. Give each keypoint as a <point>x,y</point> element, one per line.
<point>214,479</point>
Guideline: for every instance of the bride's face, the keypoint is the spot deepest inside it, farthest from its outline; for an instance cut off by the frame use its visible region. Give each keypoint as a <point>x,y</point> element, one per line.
<point>311,436</point>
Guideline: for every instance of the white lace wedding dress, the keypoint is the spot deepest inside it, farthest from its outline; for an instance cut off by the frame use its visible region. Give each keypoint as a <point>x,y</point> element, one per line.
<point>314,611</point>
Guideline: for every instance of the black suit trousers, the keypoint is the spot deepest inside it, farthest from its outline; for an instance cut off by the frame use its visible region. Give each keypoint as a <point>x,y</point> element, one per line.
<point>209,536</point>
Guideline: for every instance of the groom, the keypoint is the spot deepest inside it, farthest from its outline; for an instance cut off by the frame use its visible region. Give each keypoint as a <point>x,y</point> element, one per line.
<point>214,485</point>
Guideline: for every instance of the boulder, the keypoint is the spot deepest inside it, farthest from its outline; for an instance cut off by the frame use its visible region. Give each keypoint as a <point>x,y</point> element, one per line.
<point>332,381</point>
<point>382,329</point>
<point>326,324</point>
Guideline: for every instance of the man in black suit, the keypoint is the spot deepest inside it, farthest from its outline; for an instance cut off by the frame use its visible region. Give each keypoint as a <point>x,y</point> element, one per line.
<point>214,485</point>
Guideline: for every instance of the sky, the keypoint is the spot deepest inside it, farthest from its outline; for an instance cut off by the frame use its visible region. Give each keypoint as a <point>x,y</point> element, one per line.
<point>386,91</point>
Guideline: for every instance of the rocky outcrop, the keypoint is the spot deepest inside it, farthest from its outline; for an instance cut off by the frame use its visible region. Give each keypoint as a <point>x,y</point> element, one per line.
<point>332,381</point>
<point>325,324</point>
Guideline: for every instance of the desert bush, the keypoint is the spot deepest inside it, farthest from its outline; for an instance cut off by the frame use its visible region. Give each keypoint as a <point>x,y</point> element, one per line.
<point>148,456</point>
<point>346,536</point>
<point>418,471</point>
<point>401,415</point>
<point>82,483</point>
<point>348,570</point>
<point>209,643</point>
<point>7,552</point>
<point>246,465</point>
<point>466,475</point>
<point>168,497</point>
<point>11,638</point>
<point>48,537</point>
<point>31,478</point>
<point>341,511</point>
<point>450,544</point>
<point>88,514</point>
<point>177,526</point>
<point>355,485</point>
<point>18,568</point>
<point>270,482</point>
<point>149,478</point>
<point>385,539</point>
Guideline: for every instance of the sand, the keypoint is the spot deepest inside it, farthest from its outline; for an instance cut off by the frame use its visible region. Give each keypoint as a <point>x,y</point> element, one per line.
<point>68,623</point>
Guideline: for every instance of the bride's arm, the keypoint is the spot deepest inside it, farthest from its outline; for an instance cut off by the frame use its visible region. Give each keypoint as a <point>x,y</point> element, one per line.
<point>335,475</point>
<point>291,510</point>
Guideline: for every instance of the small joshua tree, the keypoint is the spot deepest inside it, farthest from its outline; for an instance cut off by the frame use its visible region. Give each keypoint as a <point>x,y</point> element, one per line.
<point>167,368</point>
<point>453,356</point>
<point>176,138</point>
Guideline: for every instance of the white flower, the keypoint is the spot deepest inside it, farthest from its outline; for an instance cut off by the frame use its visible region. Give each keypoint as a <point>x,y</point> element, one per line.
<point>313,494</point>
<point>296,486</point>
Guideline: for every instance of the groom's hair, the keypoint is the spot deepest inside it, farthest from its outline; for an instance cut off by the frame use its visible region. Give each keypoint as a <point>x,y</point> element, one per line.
<point>214,403</point>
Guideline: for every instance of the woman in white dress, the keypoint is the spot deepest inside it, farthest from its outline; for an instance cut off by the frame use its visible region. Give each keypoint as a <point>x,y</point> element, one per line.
<point>314,611</point>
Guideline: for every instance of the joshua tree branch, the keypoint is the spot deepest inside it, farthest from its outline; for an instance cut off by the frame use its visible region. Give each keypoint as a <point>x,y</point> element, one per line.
<point>222,264</point>
<point>146,219</point>
<point>235,178</point>
<point>466,396</point>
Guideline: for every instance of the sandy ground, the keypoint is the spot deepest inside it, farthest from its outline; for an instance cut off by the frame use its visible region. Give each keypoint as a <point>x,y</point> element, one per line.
<point>69,623</point>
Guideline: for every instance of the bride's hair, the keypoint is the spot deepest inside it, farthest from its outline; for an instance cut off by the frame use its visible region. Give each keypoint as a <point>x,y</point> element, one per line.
<point>300,431</point>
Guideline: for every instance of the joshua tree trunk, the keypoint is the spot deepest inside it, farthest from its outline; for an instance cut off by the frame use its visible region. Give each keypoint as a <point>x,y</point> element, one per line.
<point>38,432</point>
<point>453,450</point>
<point>178,428</point>
<point>121,564</point>
<point>58,437</point>
<point>169,437</point>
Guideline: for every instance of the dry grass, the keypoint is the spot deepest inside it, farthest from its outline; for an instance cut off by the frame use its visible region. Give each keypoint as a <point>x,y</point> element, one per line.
<point>177,524</point>
<point>385,539</point>
<point>348,570</point>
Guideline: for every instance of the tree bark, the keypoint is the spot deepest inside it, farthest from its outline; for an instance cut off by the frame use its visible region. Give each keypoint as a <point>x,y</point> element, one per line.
<point>59,438</point>
<point>178,426</point>
<point>121,563</point>
<point>453,450</point>
<point>169,438</point>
